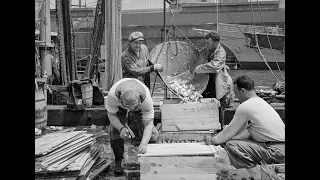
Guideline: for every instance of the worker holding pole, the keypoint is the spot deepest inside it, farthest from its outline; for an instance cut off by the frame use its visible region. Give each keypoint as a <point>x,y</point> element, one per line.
<point>130,111</point>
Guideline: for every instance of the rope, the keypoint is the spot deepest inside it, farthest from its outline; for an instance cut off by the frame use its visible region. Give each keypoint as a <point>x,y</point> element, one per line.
<point>269,40</point>
<point>257,44</point>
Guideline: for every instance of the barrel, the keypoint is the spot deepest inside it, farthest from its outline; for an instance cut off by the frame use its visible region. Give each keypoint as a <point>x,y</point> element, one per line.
<point>87,94</point>
<point>41,112</point>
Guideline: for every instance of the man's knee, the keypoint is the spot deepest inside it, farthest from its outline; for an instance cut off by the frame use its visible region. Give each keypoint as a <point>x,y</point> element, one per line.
<point>232,146</point>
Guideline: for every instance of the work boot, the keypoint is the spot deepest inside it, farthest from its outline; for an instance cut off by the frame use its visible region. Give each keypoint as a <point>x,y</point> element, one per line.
<point>118,169</point>
<point>117,146</point>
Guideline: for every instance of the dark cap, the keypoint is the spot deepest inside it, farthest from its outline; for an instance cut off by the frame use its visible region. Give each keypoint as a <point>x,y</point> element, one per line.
<point>135,36</point>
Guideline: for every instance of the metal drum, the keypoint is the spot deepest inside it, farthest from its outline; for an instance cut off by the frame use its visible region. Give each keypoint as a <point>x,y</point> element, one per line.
<point>179,60</point>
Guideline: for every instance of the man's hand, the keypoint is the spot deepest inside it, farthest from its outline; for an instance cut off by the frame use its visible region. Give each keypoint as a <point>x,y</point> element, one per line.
<point>124,134</point>
<point>195,71</point>
<point>158,67</point>
<point>209,140</point>
<point>142,148</point>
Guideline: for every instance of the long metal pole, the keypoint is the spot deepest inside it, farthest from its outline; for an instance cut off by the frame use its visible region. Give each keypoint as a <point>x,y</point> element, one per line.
<point>45,37</point>
<point>164,37</point>
<point>217,14</point>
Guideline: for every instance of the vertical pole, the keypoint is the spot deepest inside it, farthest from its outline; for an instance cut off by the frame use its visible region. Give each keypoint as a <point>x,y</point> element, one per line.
<point>45,37</point>
<point>164,37</point>
<point>217,15</point>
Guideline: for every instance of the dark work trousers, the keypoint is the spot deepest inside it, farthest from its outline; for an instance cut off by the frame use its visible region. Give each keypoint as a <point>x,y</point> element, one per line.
<point>134,121</point>
<point>248,153</point>
<point>210,92</point>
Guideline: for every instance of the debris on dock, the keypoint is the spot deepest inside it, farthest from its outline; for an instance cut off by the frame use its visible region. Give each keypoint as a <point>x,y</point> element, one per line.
<point>68,153</point>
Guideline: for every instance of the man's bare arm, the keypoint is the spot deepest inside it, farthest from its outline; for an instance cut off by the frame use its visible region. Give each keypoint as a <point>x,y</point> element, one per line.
<point>114,120</point>
<point>148,123</point>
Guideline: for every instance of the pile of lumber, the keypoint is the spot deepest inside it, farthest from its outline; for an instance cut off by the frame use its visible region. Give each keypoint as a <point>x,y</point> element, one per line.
<point>68,153</point>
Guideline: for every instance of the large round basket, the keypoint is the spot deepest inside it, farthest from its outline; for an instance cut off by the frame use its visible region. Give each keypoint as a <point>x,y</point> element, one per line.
<point>179,60</point>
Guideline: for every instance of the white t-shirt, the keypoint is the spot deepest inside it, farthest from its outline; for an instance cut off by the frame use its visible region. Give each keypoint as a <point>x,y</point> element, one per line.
<point>113,102</point>
<point>264,123</point>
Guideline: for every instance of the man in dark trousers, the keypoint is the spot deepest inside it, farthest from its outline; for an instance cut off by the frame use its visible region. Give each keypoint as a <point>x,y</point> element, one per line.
<point>220,82</point>
<point>129,103</point>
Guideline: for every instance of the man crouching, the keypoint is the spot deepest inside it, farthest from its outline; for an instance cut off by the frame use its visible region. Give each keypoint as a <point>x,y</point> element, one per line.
<point>255,134</point>
<point>129,103</point>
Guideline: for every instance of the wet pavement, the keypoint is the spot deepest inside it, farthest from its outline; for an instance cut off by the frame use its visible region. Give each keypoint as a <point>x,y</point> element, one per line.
<point>223,168</point>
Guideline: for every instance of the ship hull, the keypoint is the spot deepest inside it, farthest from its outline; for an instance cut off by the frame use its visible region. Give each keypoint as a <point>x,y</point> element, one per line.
<point>243,56</point>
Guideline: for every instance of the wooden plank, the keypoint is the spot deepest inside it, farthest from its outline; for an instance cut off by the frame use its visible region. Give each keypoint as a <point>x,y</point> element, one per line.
<point>93,158</point>
<point>177,149</point>
<point>67,153</point>
<point>71,145</point>
<point>183,136</point>
<point>177,168</point>
<point>48,142</point>
<point>213,149</point>
<point>98,170</point>
<point>187,126</point>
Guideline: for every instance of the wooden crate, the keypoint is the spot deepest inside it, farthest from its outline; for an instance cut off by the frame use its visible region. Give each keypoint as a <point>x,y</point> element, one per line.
<point>189,117</point>
<point>266,175</point>
<point>176,161</point>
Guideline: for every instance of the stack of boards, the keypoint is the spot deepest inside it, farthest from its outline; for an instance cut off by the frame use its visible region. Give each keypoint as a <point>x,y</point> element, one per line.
<point>67,153</point>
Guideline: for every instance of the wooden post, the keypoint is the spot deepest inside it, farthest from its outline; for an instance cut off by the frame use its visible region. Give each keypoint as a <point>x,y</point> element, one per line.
<point>113,48</point>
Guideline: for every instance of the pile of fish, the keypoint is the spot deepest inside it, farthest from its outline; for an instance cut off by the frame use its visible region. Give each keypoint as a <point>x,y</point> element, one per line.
<point>67,153</point>
<point>265,92</point>
<point>179,84</point>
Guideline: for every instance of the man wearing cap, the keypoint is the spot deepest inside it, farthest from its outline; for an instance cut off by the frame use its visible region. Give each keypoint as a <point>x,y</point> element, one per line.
<point>220,82</point>
<point>129,103</point>
<point>135,58</point>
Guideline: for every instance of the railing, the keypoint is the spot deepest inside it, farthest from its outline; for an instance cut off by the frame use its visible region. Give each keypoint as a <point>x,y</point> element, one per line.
<point>250,29</point>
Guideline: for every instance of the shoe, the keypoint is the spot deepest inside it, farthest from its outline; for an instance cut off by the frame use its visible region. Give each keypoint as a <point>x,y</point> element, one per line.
<point>118,169</point>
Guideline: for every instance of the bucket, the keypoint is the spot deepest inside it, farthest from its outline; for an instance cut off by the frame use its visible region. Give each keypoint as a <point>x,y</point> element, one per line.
<point>41,112</point>
<point>87,94</point>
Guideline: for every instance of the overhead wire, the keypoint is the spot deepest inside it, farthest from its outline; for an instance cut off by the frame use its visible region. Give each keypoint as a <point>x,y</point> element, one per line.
<point>269,41</point>
<point>257,43</point>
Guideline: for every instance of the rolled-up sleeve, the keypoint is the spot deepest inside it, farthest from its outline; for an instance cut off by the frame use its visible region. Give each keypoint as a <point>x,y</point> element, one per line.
<point>111,104</point>
<point>147,109</point>
<point>215,64</point>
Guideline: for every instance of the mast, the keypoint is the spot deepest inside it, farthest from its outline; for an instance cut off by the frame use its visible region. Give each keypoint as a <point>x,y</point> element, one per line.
<point>164,39</point>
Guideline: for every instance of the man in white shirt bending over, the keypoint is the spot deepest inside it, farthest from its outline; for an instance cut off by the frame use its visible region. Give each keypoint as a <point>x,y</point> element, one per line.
<point>129,103</point>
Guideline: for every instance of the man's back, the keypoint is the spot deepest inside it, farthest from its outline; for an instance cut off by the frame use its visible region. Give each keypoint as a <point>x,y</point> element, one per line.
<point>264,123</point>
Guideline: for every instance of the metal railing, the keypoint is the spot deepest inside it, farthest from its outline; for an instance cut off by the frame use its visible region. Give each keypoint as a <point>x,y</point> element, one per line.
<point>250,29</point>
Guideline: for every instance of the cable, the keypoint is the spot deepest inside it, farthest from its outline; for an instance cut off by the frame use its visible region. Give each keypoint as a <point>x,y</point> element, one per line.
<point>257,43</point>
<point>269,40</point>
